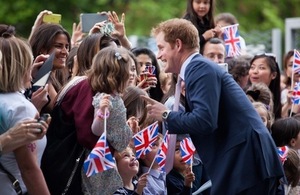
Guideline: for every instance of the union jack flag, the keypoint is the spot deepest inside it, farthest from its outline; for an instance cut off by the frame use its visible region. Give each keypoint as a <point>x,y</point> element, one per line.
<point>100,159</point>
<point>296,94</point>
<point>187,149</point>
<point>296,61</point>
<point>282,152</point>
<point>162,153</point>
<point>144,139</point>
<point>232,40</point>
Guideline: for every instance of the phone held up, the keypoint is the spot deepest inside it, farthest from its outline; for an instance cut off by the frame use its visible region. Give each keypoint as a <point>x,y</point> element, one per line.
<point>52,18</point>
<point>224,66</point>
<point>88,20</point>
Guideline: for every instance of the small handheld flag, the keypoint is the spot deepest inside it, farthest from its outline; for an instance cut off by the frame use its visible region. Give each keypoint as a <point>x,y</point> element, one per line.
<point>144,139</point>
<point>187,149</point>
<point>162,153</point>
<point>232,40</point>
<point>100,159</point>
<point>282,152</point>
<point>296,61</point>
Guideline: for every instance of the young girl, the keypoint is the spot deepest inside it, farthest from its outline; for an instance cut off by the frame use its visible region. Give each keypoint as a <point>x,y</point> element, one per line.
<point>109,106</point>
<point>265,114</point>
<point>291,163</point>
<point>200,13</point>
<point>136,112</point>
<point>128,167</point>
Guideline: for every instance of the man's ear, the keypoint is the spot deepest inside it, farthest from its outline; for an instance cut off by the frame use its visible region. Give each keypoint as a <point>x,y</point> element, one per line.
<point>178,44</point>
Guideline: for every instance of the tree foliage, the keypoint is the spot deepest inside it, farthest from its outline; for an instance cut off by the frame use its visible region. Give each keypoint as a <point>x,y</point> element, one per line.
<point>142,15</point>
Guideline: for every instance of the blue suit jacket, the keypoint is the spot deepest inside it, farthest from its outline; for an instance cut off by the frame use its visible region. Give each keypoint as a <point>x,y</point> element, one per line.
<point>233,143</point>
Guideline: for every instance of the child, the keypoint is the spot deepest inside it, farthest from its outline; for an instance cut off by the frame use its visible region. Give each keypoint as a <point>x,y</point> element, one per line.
<point>128,167</point>
<point>200,13</point>
<point>112,68</point>
<point>136,111</point>
<point>291,163</point>
<point>266,116</point>
<point>109,105</point>
<point>180,178</point>
<point>286,132</point>
<point>156,178</point>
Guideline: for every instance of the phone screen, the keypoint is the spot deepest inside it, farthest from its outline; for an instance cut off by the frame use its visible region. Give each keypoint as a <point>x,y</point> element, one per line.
<point>88,20</point>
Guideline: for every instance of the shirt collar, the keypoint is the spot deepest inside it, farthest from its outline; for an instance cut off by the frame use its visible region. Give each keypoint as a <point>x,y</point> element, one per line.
<point>184,65</point>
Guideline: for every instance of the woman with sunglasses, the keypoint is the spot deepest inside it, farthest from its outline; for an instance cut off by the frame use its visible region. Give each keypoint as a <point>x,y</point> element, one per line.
<point>264,68</point>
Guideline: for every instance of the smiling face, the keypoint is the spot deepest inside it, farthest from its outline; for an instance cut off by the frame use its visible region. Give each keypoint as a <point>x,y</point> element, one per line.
<point>167,54</point>
<point>61,49</point>
<point>127,163</point>
<point>260,71</point>
<point>201,7</point>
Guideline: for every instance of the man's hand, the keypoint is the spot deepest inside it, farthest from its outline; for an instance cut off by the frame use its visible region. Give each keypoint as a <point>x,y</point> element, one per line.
<point>155,108</point>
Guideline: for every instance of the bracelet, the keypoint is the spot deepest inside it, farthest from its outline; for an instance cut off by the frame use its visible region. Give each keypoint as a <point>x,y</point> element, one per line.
<point>101,115</point>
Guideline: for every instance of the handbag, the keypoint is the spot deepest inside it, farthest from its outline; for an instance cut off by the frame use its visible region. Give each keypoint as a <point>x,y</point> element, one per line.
<point>63,156</point>
<point>15,182</point>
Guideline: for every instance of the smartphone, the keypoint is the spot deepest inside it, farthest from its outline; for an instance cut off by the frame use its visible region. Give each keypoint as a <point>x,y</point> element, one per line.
<point>224,66</point>
<point>52,18</point>
<point>43,73</point>
<point>88,20</point>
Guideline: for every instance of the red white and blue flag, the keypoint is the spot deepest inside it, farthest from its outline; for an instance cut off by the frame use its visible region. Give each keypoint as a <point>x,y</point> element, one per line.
<point>162,153</point>
<point>100,159</point>
<point>232,40</point>
<point>187,149</point>
<point>296,94</point>
<point>144,139</point>
<point>282,152</point>
<point>296,61</point>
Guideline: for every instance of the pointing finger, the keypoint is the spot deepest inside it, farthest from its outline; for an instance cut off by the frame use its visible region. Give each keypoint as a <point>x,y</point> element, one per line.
<point>148,99</point>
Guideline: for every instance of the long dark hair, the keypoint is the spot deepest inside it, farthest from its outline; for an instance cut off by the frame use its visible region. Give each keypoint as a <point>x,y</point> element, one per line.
<point>193,17</point>
<point>155,92</point>
<point>275,83</point>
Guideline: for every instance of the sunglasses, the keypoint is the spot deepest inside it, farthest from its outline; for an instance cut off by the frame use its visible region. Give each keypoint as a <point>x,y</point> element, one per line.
<point>270,55</point>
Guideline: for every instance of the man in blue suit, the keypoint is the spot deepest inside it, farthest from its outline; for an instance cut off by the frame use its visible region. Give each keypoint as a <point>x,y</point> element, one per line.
<point>230,137</point>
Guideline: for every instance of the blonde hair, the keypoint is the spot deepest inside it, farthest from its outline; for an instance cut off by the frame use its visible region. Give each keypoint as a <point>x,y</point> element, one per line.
<point>176,28</point>
<point>15,63</point>
<point>110,70</point>
<point>270,115</point>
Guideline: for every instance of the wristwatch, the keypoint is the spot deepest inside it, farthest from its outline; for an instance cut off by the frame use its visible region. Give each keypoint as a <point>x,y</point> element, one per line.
<point>165,114</point>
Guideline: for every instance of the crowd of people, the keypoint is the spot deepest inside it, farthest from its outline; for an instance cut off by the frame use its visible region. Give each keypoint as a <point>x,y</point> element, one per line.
<point>241,119</point>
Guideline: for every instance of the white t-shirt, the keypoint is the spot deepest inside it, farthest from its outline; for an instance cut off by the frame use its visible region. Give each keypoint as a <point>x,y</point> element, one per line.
<point>14,107</point>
